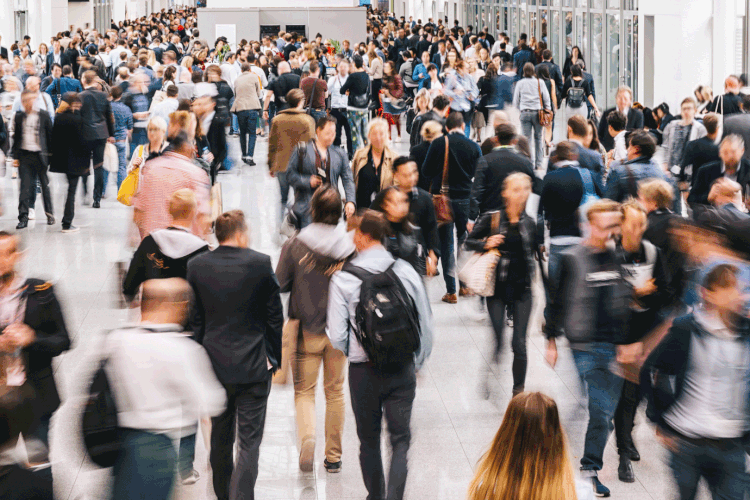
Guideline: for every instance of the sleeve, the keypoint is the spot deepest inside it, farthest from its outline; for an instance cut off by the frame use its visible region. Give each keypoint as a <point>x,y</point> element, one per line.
<point>475,241</point>
<point>337,324</point>
<point>293,176</point>
<point>613,190</point>
<point>273,145</point>
<point>53,339</point>
<point>540,215</point>
<point>137,270</point>
<point>638,121</point>
<point>347,179</point>
<point>201,390</point>
<point>424,311</point>
<point>664,292</point>
<point>346,86</point>
<point>687,159</point>
<point>274,318</point>
<point>429,227</point>
<point>129,123</point>
<point>110,119</point>
<point>285,269</point>
<point>197,320</point>
<point>477,189</point>
<point>517,95</point>
<point>546,98</point>
<point>429,167</point>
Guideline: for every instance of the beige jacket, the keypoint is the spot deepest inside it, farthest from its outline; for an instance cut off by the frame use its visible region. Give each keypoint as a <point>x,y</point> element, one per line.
<point>246,92</point>
<point>386,171</point>
<point>288,128</point>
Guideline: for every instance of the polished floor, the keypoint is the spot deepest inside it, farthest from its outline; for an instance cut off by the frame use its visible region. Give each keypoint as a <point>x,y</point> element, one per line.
<point>452,423</point>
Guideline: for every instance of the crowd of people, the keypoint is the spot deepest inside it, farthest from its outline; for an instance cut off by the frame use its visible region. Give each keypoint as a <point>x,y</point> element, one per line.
<point>640,241</point>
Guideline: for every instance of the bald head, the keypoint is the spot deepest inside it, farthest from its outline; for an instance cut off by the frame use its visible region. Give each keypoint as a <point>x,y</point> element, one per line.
<point>498,118</point>
<point>165,300</point>
<point>32,83</point>
<point>284,68</point>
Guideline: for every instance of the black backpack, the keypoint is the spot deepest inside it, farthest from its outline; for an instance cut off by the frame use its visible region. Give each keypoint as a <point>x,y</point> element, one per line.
<point>386,318</point>
<point>101,435</point>
<point>576,95</point>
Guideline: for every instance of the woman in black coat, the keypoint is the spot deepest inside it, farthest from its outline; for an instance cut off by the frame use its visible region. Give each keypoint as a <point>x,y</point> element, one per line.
<point>68,153</point>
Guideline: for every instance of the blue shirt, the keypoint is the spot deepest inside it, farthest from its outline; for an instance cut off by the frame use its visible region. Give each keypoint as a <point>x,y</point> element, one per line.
<point>420,69</point>
<point>343,297</point>
<point>123,120</point>
<point>461,101</point>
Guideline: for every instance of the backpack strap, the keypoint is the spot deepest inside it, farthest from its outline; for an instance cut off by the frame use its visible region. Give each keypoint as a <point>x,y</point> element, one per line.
<point>588,181</point>
<point>359,272</point>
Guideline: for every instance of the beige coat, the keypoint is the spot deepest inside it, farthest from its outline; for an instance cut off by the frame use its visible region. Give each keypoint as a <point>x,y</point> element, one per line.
<point>386,171</point>
<point>288,128</point>
<point>246,92</point>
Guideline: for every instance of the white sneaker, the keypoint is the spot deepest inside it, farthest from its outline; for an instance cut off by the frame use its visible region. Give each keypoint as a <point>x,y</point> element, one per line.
<point>32,214</point>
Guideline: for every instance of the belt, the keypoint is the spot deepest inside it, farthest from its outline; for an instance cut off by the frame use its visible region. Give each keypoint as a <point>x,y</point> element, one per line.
<point>530,110</point>
<point>321,110</point>
<point>715,443</point>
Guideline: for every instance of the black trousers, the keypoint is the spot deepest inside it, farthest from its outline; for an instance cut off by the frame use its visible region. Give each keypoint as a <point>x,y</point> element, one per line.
<point>70,200</point>
<point>245,417</point>
<point>32,167</point>
<point>373,395</point>
<point>342,122</point>
<point>625,414</point>
<point>521,312</point>
<point>96,148</point>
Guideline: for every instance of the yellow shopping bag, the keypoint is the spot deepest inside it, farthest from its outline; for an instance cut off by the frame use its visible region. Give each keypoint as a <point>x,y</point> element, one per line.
<point>129,187</point>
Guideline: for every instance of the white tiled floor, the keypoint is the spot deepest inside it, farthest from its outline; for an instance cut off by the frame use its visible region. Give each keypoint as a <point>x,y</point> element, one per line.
<point>452,425</point>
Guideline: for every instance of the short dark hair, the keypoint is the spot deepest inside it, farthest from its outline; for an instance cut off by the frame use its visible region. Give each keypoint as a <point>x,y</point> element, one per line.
<point>546,54</point>
<point>228,224</point>
<point>617,120</point>
<point>67,70</point>
<point>325,205</point>
<point>566,150</point>
<point>746,103</point>
<point>454,120</point>
<point>440,102</point>
<point>294,97</point>
<point>358,61</point>
<point>721,276</point>
<point>373,224</point>
<point>578,125</point>
<point>323,121</point>
<point>711,122</point>
<point>644,141</point>
<point>401,160</point>
<point>116,92</point>
<point>505,133</point>
<point>172,91</point>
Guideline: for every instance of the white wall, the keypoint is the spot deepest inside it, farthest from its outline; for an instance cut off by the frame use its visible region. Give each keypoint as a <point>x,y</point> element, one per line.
<point>80,13</point>
<point>260,4</point>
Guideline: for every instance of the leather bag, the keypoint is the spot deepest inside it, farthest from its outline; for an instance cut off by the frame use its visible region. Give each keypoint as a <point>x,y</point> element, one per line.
<point>443,210</point>
<point>545,115</point>
<point>479,272</point>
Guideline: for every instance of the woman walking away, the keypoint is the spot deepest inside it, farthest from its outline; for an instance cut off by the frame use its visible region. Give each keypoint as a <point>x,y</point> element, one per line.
<point>529,97</point>
<point>392,99</point>
<point>528,458</point>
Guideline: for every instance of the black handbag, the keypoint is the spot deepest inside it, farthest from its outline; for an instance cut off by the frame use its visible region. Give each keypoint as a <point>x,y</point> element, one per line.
<point>100,426</point>
<point>362,101</point>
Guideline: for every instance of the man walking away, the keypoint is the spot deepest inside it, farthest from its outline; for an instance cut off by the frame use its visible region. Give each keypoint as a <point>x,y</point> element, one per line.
<point>381,385</point>
<point>98,128</point>
<point>247,107</point>
<point>238,318</point>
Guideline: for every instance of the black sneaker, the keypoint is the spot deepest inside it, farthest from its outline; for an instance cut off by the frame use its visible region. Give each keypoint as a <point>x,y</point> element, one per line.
<point>50,220</point>
<point>599,489</point>
<point>250,161</point>
<point>331,467</point>
<point>71,229</point>
<point>631,452</point>
<point>22,224</point>
<point>96,205</point>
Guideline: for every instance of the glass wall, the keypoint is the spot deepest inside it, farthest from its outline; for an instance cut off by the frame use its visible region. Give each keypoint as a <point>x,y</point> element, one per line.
<point>605,31</point>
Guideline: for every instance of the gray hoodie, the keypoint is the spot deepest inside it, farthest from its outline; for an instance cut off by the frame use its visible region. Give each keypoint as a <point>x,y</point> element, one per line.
<point>305,267</point>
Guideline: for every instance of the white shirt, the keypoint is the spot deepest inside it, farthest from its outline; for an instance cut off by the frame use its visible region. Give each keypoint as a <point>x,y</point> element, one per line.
<point>165,108</point>
<point>206,122</point>
<point>621,149</point>
<point>338,100</point>
<point>31,132</point>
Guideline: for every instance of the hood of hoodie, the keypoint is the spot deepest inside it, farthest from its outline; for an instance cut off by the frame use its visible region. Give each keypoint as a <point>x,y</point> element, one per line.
<point>329,241</point>
<point>177,243</point>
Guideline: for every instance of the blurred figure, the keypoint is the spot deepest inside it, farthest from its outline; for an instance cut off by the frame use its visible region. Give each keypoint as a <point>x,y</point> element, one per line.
<point>429,131</point>
<point>165,252</point>
<point>591,305</point>
<point>98,128</point>
<point>305,267</point>
<point>238,319</point>
<point>33,333</point>
<point>732,166</point>
<point>174,383</point>
<point>699,397</point>
<point>530,435</point>
<point>373,164</point>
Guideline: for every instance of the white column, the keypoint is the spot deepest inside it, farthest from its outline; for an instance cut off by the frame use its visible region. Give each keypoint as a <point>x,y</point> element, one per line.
<point>723,43</point>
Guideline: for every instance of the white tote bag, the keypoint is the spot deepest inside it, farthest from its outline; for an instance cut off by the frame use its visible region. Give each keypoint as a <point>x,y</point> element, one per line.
<point>111,159</point>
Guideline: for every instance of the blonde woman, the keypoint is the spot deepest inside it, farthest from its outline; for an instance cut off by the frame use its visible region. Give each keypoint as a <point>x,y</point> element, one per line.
<point>528,459</point>
<point>40,59</point>
<point>372,164</point>
<point>375,70</point>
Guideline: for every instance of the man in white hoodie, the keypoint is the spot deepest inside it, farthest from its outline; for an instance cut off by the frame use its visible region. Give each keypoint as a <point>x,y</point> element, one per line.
<point>305,267</point>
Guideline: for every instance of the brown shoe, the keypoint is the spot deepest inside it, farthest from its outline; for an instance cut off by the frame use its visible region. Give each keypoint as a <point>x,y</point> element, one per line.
<point>464,292</point>
<point>450,298</point>
<point>306,454</point>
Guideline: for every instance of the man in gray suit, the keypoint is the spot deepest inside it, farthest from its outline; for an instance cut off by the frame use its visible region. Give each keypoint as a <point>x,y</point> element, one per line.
<point>322,163</point>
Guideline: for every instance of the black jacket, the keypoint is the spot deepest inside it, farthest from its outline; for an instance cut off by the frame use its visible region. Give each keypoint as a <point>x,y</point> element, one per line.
<point>492,169</point>
<point>635,121</point>
<point>162,254</point>
<point>561,196</point>
<point>237,315</point>
<point>422,210</point>
<point>659,230</point>
<point>96,112</point>
<point>45,134</point>
<point>556,75</point>
<point>418,153</point>
<point>698,153</point>
<point>44,316</point>
<point>217,141</point>
<point>706,176</point>
<point>3,137</point>
<point>463,155</point>
<point>69,154</point>
<point>670,362</point>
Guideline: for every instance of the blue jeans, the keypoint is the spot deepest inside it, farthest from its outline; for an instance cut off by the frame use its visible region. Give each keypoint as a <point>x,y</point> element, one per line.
<point>358,123</point>
<point>530,123</point>
<point>122,163</point>
<point>722,465</point>
<point>604,389</point>
<point>317,115</point>
<point>553,272</point>
<point>234,127</point>
<point>248,123</point>
<point>447,246</point>
<point>145,467</point>
<point>140,136</point>
<point>187,455</point>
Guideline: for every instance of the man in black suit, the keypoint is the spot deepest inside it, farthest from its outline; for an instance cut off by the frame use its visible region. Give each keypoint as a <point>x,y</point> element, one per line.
<point>554,72</point>
<point>492,169</point>
<point>700,151</point>
<point>624,101</point>
<point>463,155</point>
<point>577,131</point>
<point>238,318</point>
<point>98,128</point>
<point>32,137</point>
<point>55,56</point>
<point>732,166</point>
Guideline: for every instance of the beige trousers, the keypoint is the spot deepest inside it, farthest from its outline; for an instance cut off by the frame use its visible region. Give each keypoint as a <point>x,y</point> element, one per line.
<point>312,349</point>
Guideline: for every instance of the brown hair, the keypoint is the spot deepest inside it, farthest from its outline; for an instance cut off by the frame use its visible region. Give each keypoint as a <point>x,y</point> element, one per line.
<point>602,206</point>
<point>721,276</point>
<point>567,150</point>
<point>373,224</point>
<point>711,122</point>
<point>658,191</point>
<point>528,457</point>
<point>325,205</point>
<point>228,224</point>
<point>578,125</point>
<point>294,97</point>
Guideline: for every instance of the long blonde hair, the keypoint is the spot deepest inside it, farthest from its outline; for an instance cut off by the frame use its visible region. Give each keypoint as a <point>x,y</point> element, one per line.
<point>528,458</point>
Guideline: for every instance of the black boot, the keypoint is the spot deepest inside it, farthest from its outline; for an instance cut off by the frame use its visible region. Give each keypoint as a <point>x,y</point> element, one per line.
<point>625,470</point>
<point>630,451</point>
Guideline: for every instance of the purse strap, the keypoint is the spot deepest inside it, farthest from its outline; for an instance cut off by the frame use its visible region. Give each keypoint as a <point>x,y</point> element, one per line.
<point>312,96</point>
<point>541,99</point>
<point>444,183</point>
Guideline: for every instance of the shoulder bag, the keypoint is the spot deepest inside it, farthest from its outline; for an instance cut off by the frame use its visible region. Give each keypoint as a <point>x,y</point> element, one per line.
<point>129,185</point>
<point>362,101</point>
<point>479,272</point>
<point>545,115</point>
<point>312,98</point>
<point>443,210</point>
